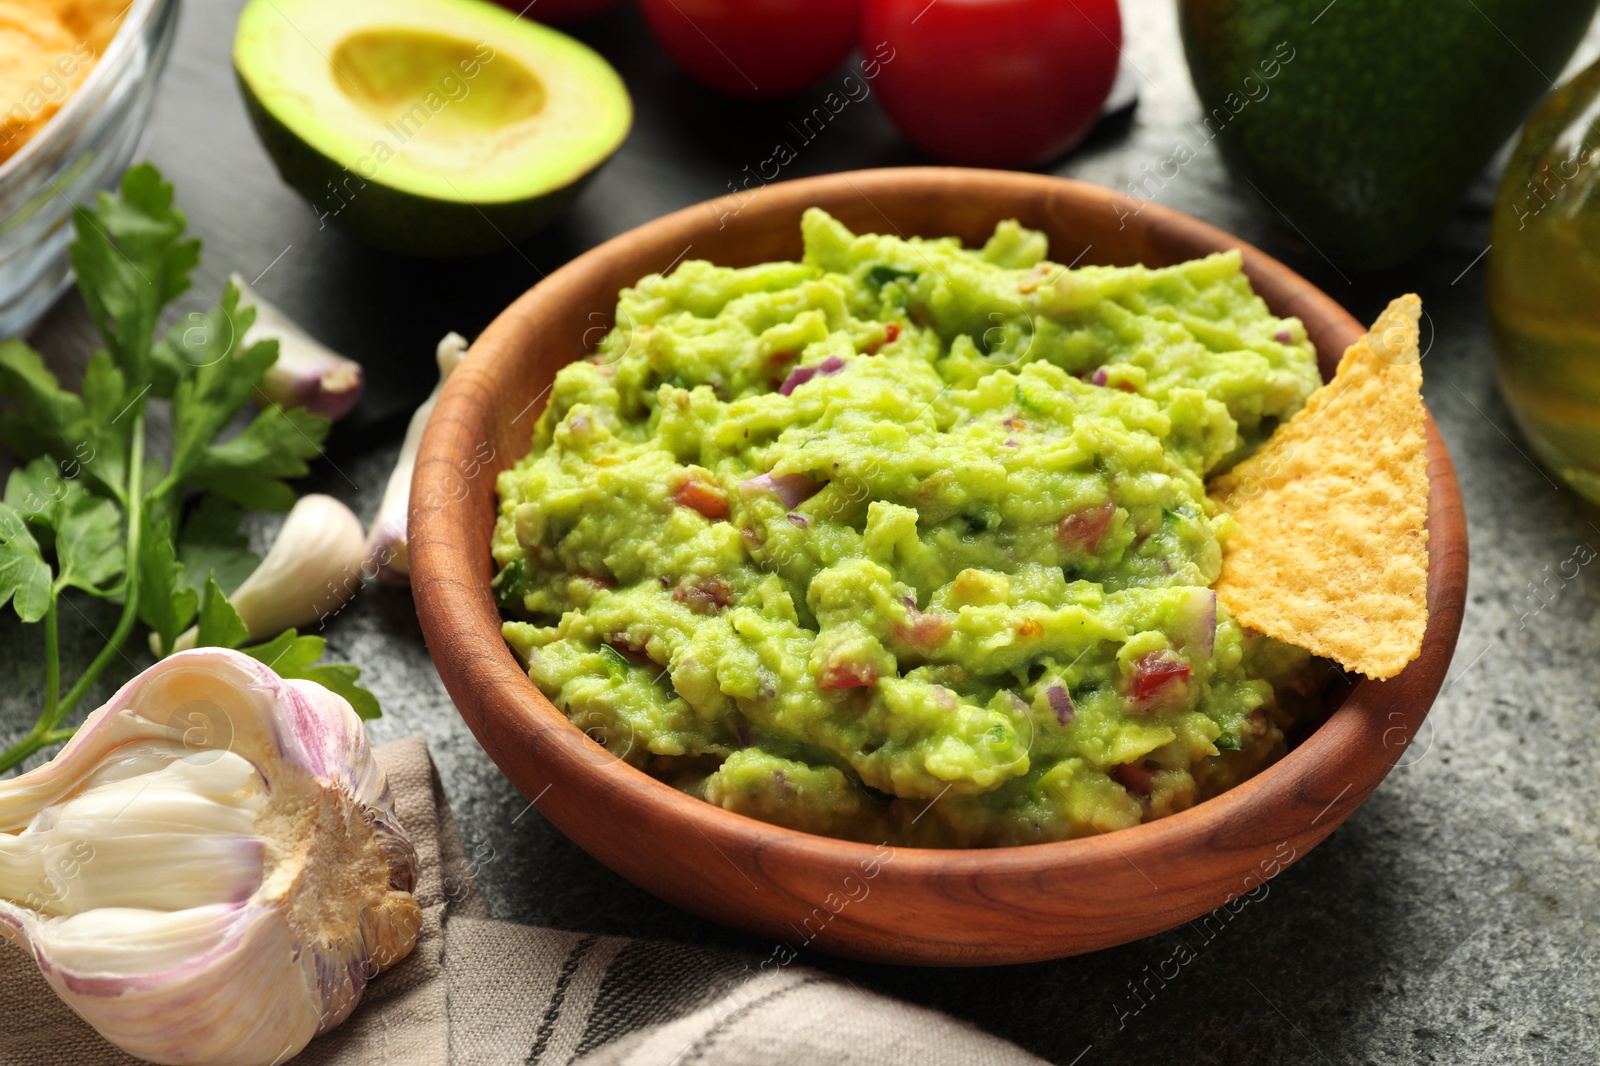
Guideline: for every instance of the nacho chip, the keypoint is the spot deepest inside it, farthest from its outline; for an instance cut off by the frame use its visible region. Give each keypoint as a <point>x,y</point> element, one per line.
<point>1330,552</point>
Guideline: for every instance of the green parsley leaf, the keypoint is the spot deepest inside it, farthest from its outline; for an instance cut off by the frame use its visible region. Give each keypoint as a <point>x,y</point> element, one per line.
<point>44,409</point>
<point>80,432</point>
<point>249,467</point>
<point>212,546</point>
<point>24,575</point>
<point>166,604</point>
<point>220,625</point>
<point>89,542</point>
<point>293,656</point>
<point>103,444</point>
<point>83,530</point>
<point>131,262</point>
<point>35,492</point>
<point>78,515</point>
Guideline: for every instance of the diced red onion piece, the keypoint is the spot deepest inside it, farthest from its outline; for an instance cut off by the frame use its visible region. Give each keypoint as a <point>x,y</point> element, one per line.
<point>1283,336</point>
<point>1099,377</point>
<point>797,377</point>
<point>1084,529</point>
<point>790,489</point>
<point>705,596</point>
<point>1061,702</point>
<point>1199,630</point>
<point>802,374</point>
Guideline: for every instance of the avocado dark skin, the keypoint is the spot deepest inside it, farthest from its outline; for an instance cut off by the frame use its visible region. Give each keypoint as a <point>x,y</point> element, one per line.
<point>1367,137</point>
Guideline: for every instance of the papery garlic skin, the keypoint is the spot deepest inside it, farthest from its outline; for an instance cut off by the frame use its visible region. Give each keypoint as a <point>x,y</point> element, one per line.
<point>308,373</point>
<point>386,542</point>
<point>312,570</point>
<point>211,870</point>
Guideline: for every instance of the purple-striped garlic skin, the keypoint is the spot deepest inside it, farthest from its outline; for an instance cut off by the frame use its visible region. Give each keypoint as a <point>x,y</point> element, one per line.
<point>308,373</point>
<point>212,869</point>
<point>386,540</point>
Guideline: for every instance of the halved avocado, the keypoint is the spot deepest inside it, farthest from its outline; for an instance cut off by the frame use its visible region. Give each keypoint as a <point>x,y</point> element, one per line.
<point>427,127</point>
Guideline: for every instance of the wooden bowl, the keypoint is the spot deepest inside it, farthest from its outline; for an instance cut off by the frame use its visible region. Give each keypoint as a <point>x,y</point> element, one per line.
<point>908,905</point>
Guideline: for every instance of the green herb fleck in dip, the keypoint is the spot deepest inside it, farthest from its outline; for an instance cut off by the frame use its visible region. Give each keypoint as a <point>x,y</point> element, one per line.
<point>909,542</point>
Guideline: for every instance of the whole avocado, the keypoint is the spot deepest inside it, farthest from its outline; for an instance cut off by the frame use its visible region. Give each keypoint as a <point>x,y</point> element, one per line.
<point>1376,114</point>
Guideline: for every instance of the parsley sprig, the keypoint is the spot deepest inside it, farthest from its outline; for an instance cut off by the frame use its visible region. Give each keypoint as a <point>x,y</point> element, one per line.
<point>93,512</point>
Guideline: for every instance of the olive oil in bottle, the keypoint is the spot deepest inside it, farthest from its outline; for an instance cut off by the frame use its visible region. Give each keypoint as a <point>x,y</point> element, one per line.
<point>1544,282</point>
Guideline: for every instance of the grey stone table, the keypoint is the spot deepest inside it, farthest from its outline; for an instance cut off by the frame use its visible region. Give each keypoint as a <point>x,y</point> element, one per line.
<point>1447,921</point>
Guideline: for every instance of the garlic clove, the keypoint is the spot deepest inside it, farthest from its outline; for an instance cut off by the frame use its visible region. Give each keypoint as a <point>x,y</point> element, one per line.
<point>307,374</point>
<point>311,571</point>
<point>386,543</point>
<point>290,879</point>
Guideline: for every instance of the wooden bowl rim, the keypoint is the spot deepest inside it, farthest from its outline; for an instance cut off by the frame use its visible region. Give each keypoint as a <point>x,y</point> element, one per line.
<point>1356,740</point>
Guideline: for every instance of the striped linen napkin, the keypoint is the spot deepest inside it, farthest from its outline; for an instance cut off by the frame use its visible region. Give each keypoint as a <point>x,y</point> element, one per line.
<point>480,992</point>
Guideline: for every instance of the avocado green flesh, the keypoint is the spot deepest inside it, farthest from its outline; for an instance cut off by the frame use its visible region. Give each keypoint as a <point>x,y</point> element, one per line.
<point>427,127</point>
<point>1367,136</point>
<point>936,623</point>
<point>397,221</point>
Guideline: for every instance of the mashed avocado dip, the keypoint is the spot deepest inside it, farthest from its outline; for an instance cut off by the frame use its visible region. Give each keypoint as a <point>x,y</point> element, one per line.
<point>909,542</point>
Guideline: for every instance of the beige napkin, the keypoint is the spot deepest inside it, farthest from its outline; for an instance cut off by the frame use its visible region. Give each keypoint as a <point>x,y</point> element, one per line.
<point>477,992</point>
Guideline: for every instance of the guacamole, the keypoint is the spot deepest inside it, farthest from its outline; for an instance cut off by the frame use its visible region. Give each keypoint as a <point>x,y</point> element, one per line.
<point>910,542</point>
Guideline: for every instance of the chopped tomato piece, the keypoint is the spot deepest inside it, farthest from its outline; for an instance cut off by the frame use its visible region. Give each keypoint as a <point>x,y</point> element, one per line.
<point>702,496</point>
<point>1030,627</point>
<point>1137,777</point>
<point>925,629</point>
<point>845,674</point>
<point>1155,671</point>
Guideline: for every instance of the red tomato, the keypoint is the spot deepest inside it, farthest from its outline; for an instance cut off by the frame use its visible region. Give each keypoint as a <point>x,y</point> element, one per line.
<point>1155,671</point>
<point>558,10</point>
<point>755,48</point>
<point>994,82</point>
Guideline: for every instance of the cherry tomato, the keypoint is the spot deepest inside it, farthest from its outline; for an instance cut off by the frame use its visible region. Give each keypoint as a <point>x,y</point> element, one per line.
<point>558,10</point>
<point>994,82</point>
<point>755,48</point>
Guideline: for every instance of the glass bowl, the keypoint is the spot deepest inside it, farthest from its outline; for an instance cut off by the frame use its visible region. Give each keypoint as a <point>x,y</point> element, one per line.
<point>84,148</point>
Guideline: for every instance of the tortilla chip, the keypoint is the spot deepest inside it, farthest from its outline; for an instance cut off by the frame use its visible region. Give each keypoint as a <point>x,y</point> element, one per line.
<point>1330,552</point>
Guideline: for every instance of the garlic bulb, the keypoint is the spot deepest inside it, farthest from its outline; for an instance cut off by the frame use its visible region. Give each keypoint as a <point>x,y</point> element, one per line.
<point>311,571</point>
<point>211,870</point>
<point>386,543</point>
<point>308,373</point>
